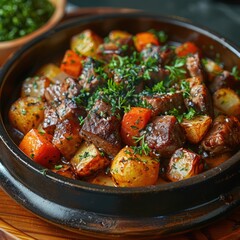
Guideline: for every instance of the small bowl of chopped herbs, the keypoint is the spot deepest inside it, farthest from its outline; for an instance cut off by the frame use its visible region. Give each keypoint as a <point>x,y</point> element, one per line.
<point>23,20</point>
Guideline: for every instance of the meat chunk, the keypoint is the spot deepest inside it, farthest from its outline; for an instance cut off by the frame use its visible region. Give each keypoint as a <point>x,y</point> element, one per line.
<point>90,79</point>
<point>67,138</point>
<point>164,135</point>
<point>53,94</point>
<point>162,104</point>
<point>224,136</point>
<point>152,52</point>
<point>195,68</point>
<point>120,44</point>
<point>184,164</point>
<point>199,98</point>
<point>154,55</point>
<point>61,104</point>
<point>102,128</point>
<point>57,93</point>
<point>68,109</point>
<point>223,80</point>
<point>50,120</point>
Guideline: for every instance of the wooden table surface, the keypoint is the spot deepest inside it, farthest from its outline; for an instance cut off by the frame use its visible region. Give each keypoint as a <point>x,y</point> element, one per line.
<point>18,223</point>
<point>24,225</point>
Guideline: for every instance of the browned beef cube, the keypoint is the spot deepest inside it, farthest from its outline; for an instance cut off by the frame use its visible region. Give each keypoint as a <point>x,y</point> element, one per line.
<point>167,55</point>
<point>158,57</point>
<point>53,94</point>
<point>121,47</point>
<point>224,80</point>
<point>224,136</point>
<point>162,104</point>
<point>164,135</point>
<point>69,89</point>
<point>199,98</point>
<point>195,68</point>
<point>67,138</point>
<point>102,128</point>
<point>152,52</point>
<point>50,120</point>
<point>57,93</point>
<point>90,79</point>
<point>68,109</point>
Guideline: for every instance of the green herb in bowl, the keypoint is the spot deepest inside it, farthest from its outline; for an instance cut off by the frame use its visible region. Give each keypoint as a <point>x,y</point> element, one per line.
<point>21,17</point>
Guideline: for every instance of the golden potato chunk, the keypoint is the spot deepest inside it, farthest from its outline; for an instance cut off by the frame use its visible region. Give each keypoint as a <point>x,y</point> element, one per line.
<point>227,101</point>
<point>35,86</point>
<point>196,128</point>
<point>53,72</point>
<point>134,170</point>
<point>88,160</point>
<point>26,113</point>
<point>115,35</point>
<point>86,43</point>
<point>184,164</point>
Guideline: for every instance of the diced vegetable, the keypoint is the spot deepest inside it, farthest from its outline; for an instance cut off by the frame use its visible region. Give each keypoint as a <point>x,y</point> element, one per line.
<point>184,164</point>
<point>88,160</point>
<point>103,179</point>
<point>134,170</point>
<point>66,138</point>
<point>53,72</point>
<point>64,170</point>
<point>211,67</point>
<point>35,87</point>
<point>86,43</point>
<point>227,101</point>
<point>115,35</point>
<point>186,49</point>
<point>133,122</point>
<point>72,64</point>
<point>39,148</point>
<point>26,113</point>
<point>196,128</point>
<point>142,39</point>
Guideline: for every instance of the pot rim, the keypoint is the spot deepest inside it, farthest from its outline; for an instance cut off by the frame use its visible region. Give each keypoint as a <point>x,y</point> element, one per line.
<point>179,21</point>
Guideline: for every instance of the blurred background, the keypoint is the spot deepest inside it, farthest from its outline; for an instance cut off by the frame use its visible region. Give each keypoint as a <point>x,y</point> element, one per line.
<point>221,16</point>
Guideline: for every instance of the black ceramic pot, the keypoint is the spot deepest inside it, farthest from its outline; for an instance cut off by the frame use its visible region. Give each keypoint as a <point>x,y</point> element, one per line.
<point>107,211</point>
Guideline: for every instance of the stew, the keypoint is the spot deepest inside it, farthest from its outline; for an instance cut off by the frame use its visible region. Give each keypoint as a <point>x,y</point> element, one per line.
<point>129,110</point>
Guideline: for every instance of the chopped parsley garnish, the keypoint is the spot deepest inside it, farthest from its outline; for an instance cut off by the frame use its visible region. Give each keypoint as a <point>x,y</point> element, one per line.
<point>161,35</point>
<point>81,120</point>
<point>43,171</point>
<point>177,71</point>
<point>185,88</point>
<point>190,114</point>
<point>143,148</point>
<point>85,155</point>
<point>58,167</point>
<point>235,73</point>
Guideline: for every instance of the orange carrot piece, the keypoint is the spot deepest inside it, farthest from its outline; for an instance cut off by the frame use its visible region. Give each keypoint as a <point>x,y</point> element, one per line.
<point>39,148</point>
<point>186,48</point>
<point>133,122</point>
<point>143,39</point>
<point>72,64</point>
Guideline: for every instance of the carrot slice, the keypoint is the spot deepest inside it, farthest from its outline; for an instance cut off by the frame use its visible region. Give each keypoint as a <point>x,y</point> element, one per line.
<point>186,48</point>
<point>39,148</point>
<point>72,64</point>
<point>133,122</point>
<point>143,39</point>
